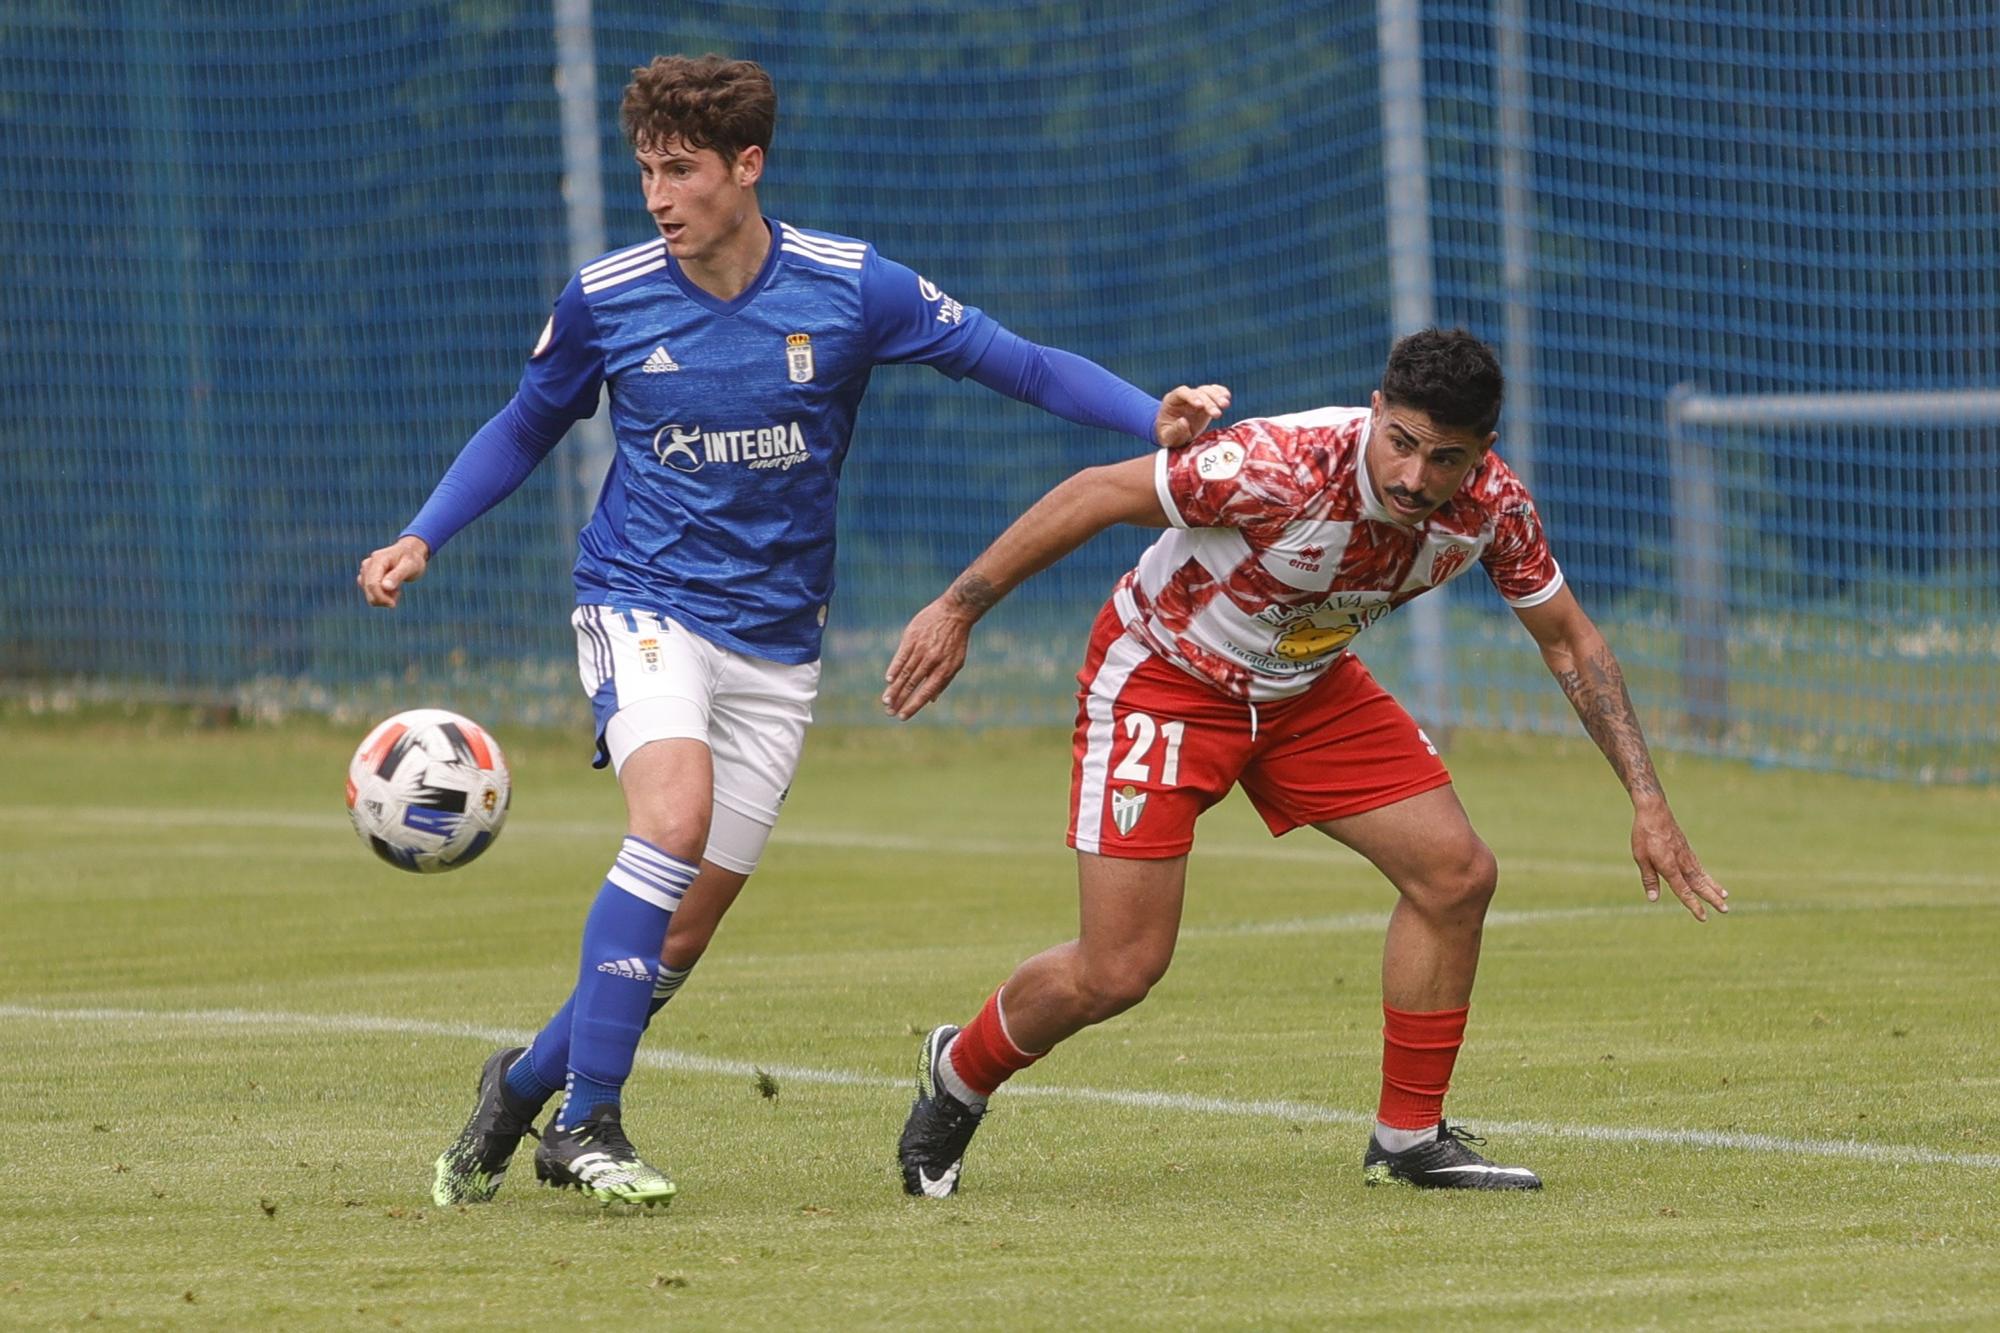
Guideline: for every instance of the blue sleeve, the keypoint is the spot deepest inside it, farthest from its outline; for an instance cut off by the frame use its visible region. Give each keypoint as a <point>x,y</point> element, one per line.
<point>909,320</point>
<point>497,458</point>
<point>566,369</point>
<point>1073,387</point>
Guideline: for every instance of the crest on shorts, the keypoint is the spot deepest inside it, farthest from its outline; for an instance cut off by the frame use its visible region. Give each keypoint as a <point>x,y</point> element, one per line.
<point>799,357</point>
<point>1126,807</point>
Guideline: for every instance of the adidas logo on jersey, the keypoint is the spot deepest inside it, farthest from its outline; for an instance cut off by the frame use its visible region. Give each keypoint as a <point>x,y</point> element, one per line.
<point>660,361</point>
<point>632,969</point>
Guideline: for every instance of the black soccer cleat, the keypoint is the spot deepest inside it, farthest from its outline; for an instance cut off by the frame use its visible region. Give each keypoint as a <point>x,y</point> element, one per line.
<point>932,1149</point>
<point>1445,1163</point>
<point>597,1158</point>
<point>470,1170</point>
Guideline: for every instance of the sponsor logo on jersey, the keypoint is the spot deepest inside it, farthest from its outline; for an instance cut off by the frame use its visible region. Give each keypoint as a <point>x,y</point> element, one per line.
<point>1313,632</point>
<point>1308,558</point>
<point>1220,462</point>
<point>1448,562</point>
<point>676,448</point>
<point>660,362</point>
<point>1127,804</point>
<point>799,357</point>
<point>689,448</point>
<point>1308,642</point>
<point>949,311</point>
<point>1366,606</point>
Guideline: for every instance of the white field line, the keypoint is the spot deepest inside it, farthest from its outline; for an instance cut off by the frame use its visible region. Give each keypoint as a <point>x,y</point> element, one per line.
<point>1290,1112</point>
<point>1306,851</point>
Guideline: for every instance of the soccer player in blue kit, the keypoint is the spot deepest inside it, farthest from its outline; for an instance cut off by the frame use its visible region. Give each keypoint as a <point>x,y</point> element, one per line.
<point>736,348</point>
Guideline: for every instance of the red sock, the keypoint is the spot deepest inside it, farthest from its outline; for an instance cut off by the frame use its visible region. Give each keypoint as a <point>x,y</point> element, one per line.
<point>1418,1051</point>
<point>983,1054</point>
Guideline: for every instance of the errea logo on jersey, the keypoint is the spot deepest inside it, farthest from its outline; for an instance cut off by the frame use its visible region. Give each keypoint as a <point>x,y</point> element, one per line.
<point>688,448</point>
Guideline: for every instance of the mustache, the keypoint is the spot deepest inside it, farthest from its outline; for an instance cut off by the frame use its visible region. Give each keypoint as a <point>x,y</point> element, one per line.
<point>1408,497</point>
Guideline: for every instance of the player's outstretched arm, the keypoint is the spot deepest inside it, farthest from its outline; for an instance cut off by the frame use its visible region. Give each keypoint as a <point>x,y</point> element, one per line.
<point>1077,389</point>
<point>1583,664</point>
<point>385,571</point>
<point>933,645</point>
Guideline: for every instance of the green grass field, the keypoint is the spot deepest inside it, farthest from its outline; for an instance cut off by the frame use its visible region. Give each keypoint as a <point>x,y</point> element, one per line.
<point>231,1043</point>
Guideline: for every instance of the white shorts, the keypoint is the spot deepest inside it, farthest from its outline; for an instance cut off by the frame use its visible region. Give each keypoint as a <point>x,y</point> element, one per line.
<point>650,679</point>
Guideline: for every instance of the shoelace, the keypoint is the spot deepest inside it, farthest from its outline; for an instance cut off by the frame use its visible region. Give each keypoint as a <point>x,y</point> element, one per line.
<point>952,1117</point>
<point>1462,1135</point>
<point>607,1134</point>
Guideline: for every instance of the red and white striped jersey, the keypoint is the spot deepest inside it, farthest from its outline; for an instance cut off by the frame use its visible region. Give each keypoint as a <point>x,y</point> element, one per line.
<point>1281,552</point>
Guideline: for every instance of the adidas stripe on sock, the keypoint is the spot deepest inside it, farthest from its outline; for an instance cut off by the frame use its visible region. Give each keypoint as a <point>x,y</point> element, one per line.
<point>614,987</point>
<point>665,984</point>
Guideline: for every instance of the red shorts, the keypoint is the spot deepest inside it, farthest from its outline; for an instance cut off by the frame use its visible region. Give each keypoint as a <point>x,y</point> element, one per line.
<point>1155,747</point>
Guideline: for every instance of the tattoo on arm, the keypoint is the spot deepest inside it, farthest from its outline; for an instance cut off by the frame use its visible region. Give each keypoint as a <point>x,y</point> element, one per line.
<point>974,593</point>
<point>1596,689</point>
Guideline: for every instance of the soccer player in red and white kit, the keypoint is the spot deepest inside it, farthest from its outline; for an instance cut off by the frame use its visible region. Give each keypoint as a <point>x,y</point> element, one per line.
<point>1222,658</point>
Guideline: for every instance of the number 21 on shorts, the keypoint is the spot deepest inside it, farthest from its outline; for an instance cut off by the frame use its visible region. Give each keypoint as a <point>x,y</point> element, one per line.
<point>1143,732</point>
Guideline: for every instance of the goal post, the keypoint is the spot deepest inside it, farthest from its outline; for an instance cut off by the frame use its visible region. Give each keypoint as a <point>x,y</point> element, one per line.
<point>1708,523</point>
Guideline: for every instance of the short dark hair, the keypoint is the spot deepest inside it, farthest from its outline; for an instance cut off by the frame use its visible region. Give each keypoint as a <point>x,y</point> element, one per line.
<point>1448,375</point>
<point>713,102</point>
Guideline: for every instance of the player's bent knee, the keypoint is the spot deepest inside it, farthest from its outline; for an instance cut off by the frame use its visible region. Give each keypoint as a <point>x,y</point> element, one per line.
<point>679,833</point>
<point>1480,875</point>
<point>1458,882</point>
<point>1106,992</point>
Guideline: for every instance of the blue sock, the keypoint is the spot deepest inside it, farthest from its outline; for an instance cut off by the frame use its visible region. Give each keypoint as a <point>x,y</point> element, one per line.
<point>541,1073</point>
<point>614,985</point>
<point>536,1076</point>
<point>669,981</point>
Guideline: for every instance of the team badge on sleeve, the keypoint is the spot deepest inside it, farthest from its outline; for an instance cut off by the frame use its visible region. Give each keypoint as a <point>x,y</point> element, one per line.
<point>1220,462</point>
<point>799,357</point>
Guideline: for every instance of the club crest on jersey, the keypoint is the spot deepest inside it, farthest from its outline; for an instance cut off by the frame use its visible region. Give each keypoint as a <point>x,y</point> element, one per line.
<point>1448,562</point>
<point>649,653</point>
<point>799,357</point>
<point>1127,804</point>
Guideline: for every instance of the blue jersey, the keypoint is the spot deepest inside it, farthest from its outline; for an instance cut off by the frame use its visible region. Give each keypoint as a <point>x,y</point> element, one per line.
<point>732,420</point>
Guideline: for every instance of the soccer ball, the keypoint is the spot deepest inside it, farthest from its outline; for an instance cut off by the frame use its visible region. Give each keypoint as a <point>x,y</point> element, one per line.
<point>428,790</point>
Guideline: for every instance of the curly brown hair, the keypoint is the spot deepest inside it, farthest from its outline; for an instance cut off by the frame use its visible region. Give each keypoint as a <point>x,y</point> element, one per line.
<point>713,102</point>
